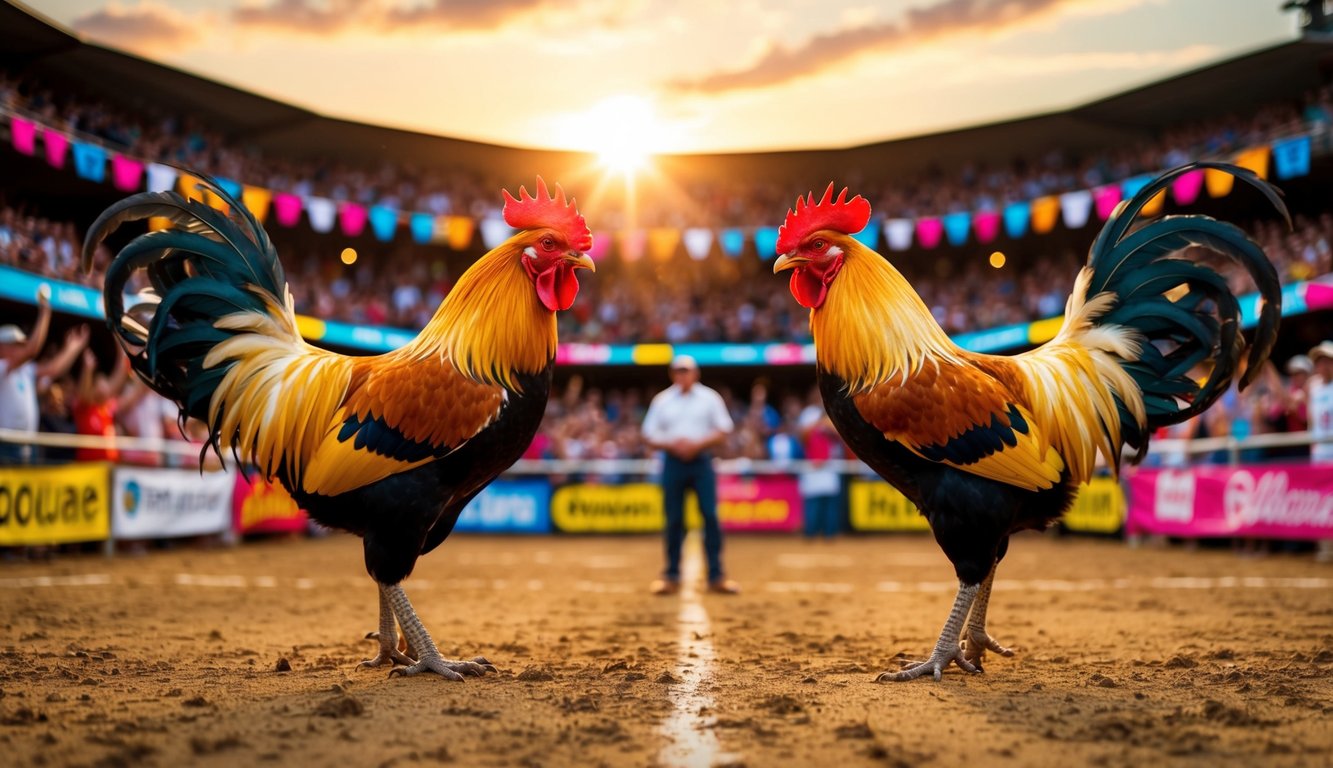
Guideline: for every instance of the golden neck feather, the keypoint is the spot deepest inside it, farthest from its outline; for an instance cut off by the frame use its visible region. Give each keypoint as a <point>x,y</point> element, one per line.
<point>492,325</point>
<point>872,326</point>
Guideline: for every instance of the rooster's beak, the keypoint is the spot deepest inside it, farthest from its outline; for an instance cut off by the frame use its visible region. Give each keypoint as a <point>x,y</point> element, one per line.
<point>788,261</point>
<point>581,260</point>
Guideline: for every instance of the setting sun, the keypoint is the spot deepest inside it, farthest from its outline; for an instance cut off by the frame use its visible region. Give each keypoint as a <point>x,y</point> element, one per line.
<point>623,130</point>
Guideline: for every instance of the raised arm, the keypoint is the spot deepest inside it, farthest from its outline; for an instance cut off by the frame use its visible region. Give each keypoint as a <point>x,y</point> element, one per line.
<point>76,340</point>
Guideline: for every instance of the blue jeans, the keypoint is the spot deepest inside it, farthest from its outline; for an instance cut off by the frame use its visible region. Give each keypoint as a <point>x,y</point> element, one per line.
<point>821,516</point>
<point>677,476</point>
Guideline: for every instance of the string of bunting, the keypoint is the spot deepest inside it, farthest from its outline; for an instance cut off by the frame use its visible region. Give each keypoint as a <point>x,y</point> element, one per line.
<point>1289,158</point>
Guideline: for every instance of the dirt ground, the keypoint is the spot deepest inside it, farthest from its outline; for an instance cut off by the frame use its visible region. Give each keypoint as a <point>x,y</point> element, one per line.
<point>1127,657</point>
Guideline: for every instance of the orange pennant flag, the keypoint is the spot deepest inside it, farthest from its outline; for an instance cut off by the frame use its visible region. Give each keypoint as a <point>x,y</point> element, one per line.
<point>1255,159</point>
<point>662,242</point>
<point>1218,182</point>
<point>459,229</point>
<point>1154,205</point>
<point>1045,212</point>
<point>256,200</point>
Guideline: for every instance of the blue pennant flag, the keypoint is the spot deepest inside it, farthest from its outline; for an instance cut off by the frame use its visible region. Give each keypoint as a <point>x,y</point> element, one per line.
<point>733,241</point>
<point>1291,157</point>
<point>1016,218</point>
<point>422,226</point>
<point>956,226</point>
<point>383,222</point>
<point>1131,186</point>
<point>90,161</point>
<point>766,242</point>
<point>869,237</point>
<point>232,188</point>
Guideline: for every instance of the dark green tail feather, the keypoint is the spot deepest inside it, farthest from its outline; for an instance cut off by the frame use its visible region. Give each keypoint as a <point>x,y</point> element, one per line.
<point>1202,326</point>
<point>206,265</point>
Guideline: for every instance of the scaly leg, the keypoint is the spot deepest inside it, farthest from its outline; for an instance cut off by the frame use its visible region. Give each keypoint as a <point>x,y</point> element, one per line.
<point>976,641</point>
<point>389,654</point>
<point>419,640</point>
<point>947,650</point>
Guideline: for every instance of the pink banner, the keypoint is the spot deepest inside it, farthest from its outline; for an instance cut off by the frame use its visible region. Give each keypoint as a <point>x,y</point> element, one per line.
<point>1266,501</point>
<point>23,134</point>
<point>57,146</point>
<point>929,231</point>
<point>286,208</point>
<point>126,173</point>
<point>986,224</point>
<point>769,503</point>
<point>264,507</point>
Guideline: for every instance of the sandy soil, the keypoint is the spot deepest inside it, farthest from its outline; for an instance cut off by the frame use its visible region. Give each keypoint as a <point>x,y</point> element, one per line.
<point>1128,657</point>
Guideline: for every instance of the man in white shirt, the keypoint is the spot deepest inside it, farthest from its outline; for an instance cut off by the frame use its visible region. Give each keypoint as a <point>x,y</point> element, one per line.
<point>20,373</point>
<point>1320,403</point>
<point>686,421</point>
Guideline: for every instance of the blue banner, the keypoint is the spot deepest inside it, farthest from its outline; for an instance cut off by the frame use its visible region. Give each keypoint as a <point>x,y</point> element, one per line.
<point>520,505</point>
<point>383,222</point>
<point>1291,157</point>
<point>766,242</point>
<point>423,227</point>
<point>956,226</point>
<point>733,241</point>
<point>1016,218</point>
<point>869,237</point>
<point>90,161</point>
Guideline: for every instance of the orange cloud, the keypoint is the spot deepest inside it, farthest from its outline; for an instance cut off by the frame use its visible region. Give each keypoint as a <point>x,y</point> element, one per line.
<point>146,26</point>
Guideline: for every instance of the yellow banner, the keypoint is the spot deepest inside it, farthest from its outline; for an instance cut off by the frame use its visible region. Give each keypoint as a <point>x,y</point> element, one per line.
<point>877,506</point>
<point>54,505</point>
<point>1098,508</point>
<point>632,508</point>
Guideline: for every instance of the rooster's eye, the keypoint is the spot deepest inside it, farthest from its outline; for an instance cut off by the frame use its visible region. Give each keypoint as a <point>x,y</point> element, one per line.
<point>819,245</point>
<point>548,243</point>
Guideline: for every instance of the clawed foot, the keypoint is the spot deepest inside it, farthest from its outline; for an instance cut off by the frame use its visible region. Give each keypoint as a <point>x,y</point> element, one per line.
<point>449,670</point>
<point>388,656</point>
<point>936,664</point>
<point>977,642</point>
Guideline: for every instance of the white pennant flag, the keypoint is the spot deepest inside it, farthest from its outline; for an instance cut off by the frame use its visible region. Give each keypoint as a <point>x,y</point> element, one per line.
<point>898,233</point>
<point>698,242</point>
<point>1075,208</point>
<point>323,213</point>
<point>161,178</point>
<point>494,232</point>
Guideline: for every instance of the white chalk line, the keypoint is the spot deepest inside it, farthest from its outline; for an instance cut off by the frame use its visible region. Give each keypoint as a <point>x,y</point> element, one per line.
<point>688,728</point>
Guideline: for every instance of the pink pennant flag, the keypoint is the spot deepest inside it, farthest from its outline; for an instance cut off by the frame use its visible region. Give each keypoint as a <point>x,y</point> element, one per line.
<point>1106,199</point>
<point>352,217</point>
<point>57,146</point>
<point>126,173</point>
<point>286,208</point>
<point>601,244</point>
<point>1186,187</point>
<point>986,224</point>
<point>24,135</point>
<point>929,231</point>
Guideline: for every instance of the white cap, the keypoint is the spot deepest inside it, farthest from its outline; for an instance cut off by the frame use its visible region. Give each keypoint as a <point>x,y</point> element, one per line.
<point>1300,363</point>
<point>12,334</point>
<point>1324,349</point>
<point>684,362</point>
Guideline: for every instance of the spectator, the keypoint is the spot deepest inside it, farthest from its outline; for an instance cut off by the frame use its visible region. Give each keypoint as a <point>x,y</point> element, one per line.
<point>821,489</point>
<point>21,374</point>
<point>96,403</point>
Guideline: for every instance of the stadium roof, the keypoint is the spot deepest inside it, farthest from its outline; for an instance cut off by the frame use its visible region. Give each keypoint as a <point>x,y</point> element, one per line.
<point>31,44</point>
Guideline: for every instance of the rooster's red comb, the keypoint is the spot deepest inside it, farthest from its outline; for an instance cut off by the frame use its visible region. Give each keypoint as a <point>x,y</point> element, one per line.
<point>841,215</point>
<point>544,210</point>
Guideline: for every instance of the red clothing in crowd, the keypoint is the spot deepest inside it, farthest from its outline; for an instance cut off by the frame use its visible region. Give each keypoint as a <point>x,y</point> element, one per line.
<point>96,419</point>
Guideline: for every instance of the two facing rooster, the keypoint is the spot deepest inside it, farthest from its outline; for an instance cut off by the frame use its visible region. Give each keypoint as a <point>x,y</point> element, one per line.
<point>392,447</point>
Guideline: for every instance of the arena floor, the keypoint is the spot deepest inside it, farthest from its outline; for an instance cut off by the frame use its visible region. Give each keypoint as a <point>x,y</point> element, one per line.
<point>1128,657</point>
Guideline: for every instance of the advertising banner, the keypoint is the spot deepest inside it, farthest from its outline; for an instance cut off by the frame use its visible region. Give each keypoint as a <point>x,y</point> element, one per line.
<point>1098,508</point>
<point>509,506</point>
<point>1270,501</point>
<point>167,503</point>
<point>54,505</point>
<point>259,506</point>
<point>770,503</point>
<point>874,505</point>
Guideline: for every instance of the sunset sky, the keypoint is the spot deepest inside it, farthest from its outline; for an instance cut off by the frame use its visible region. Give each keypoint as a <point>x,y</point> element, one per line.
<point>682,75</point>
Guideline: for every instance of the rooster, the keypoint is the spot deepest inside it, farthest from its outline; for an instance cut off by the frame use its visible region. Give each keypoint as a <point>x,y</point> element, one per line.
<point>389,447</point>
<point>986,445</point>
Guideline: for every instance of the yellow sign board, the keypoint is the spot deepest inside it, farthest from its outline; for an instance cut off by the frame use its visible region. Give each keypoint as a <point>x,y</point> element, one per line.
<point>54,505</point>
<point>1098,508</point>
<point>630,508</point>
<point>873,505</point>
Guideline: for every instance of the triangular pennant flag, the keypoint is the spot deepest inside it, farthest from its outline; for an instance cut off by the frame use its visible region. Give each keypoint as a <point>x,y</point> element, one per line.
<point>869,237</point>
<point>1045,212</point>
<point>632,243</point>
<point>1076,208</point>
<point>126,173</point>
<point>766,242</point>
<point>1185,188</point>
<point>1131,186</point>
<point>90,161</point>
<point>323,214</point>
<point>986,224</point>
<point>230,186</point>
<point>286,208</point>
<point>1291,157</point>
<point>56,147</point>
<point>956,226</point>
<point>494,231</point>
<point>1154,205</point>
<point>352,218</point>
<point>161,178</point>
<point>215,200</point>
<point>698,242</point>
<point>1016,219</point>
<point>256,200</point>
<point>662,242</point>
<point>1107,197</point>
<point>1255,159</point>
<point>23,135</point>
<point>733,241</point>
<point>189,187</point>
<point>898,233</point>
<point>422,227</point>
<point>601,245</point>
<point>929,231</point>
<point>383,222</point>
<point>459,232</point>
